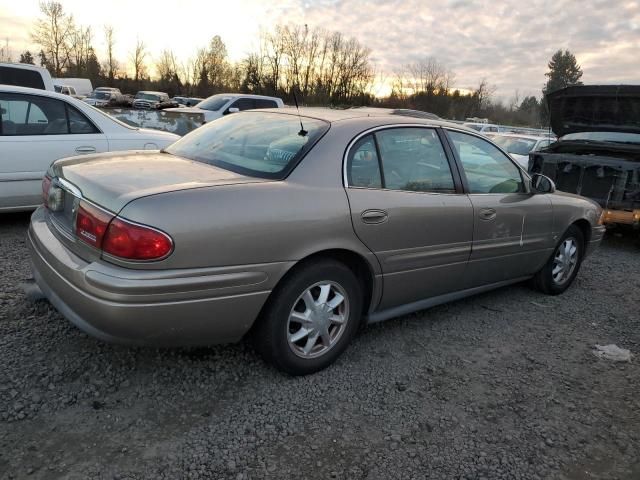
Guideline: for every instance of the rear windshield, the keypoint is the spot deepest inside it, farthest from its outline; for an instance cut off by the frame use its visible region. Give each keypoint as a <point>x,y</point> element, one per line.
<point>21,77</point>
<point>257,144</point>
<point>214,103</point>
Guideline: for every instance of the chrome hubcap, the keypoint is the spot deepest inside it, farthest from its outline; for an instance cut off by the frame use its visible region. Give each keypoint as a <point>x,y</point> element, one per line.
<point>318,319</point>
<point>565,261</point>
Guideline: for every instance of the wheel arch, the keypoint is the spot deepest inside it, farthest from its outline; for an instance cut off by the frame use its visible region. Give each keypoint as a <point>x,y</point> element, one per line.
<point>356,262</point>
<point>585,228</point>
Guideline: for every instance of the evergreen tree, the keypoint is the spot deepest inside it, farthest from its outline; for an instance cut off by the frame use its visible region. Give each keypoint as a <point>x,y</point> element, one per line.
<point>26,57</point>
<point>563,71</point>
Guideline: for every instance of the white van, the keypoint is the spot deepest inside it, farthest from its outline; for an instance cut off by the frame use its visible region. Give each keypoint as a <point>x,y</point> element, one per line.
<point>25,75</point>
<point>81,86</point>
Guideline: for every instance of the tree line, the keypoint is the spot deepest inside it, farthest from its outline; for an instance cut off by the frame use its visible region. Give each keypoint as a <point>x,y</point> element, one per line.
<point>322,67</point>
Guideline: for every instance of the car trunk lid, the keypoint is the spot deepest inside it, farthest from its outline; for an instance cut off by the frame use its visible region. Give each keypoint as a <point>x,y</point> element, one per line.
<point>113,180</point>
<point>110,181</point>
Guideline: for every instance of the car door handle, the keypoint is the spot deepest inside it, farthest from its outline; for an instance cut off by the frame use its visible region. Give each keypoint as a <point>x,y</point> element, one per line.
<point>374,216</point>
<point>86,149</point>
<point>487,213</point>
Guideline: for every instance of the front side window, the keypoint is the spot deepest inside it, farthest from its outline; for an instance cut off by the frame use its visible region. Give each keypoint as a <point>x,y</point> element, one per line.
<point>517,145</point>
<point>256,144</point>
<point>487,169</point>
<point>242,104</point>
<point>35,115</point>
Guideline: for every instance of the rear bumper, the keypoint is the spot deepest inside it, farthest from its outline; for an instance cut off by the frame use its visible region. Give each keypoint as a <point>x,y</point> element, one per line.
<point>149,307</point>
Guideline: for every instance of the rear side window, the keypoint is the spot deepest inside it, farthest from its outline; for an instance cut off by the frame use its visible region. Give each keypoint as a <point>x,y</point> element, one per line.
<point>411,159</point>
<point>21,77</point>
<point>260,103</point>
<point>35,115</point>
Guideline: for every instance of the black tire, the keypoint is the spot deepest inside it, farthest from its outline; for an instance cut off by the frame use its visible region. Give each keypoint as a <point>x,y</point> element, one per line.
<point>271,334</point>
<point>544,280</point>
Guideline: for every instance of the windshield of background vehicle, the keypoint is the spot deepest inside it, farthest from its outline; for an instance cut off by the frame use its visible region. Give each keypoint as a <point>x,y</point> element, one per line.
<point>148,96</point>
<point>257,144</point>
<point>214,103</point>
<point>102,95</point>
<point>517,145</point>
<point>619,137</point>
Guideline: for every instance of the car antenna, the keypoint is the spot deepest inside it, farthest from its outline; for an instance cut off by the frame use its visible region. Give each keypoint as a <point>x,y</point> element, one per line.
<point>302,132</point>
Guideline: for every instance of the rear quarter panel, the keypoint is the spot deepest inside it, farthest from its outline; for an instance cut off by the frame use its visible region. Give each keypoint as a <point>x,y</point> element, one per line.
<point>262,222</point>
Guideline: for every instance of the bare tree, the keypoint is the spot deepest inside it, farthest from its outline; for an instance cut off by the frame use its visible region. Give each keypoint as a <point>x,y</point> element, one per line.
<point>53,34</point>
<point>217,63</point>
<point>111,65</point>
<point>138,57</point>
<point>5,52</point>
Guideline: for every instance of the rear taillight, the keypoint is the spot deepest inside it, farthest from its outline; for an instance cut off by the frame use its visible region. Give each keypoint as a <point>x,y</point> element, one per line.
<point>135,242</point>
<point>46,183</point>
<point>91,224</point>
<point>118,237</point>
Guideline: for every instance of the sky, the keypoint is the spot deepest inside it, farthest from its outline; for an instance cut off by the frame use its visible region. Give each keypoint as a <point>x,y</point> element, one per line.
<point>508,43</point>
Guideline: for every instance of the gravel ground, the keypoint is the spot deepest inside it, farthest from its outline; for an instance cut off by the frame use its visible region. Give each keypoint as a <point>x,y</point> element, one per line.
<point>502,385</point>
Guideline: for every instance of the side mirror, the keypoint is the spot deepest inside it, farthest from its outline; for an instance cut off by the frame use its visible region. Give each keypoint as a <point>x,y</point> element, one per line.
<point>542,184</point>
<point>231,110</point>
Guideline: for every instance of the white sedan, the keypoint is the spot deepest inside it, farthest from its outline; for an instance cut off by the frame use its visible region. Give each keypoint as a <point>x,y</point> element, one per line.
<point>39,126</point>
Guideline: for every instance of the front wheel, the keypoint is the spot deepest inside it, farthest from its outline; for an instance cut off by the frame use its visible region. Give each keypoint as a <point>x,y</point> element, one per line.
<point>310,318</point>
<point>563,266</point>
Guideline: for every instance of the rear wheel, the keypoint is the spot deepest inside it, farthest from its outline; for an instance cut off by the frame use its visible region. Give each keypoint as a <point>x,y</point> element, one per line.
<point>563,266</point>
<point>311,317</point>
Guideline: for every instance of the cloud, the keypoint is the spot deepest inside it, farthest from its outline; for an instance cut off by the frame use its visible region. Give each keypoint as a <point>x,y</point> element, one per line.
<point>508,43</point>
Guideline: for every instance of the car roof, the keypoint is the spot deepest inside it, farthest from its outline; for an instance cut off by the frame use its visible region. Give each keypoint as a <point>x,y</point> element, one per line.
<point>386,116</point>
<point>245,95</point>
<point>152,92</point>
<point>528,136</point>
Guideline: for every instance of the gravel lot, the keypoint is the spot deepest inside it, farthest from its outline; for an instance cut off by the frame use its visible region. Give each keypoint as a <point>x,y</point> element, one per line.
<point>502,385</point>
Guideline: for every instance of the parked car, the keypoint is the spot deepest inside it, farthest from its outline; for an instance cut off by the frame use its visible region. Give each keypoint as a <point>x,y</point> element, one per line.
<point>483,127</point>
<point>598,152</point>
<point>82,86</point>
<point>107,97</point>
<point>187,101</point>
<point>224,103</point>
<point>150,100</point>
<point>67,90</point>
<point>101,98</point>
<point>38,127</point>
<point>286,227</point>
<point>25,75</point>
<point>519,146</point>
<point>109,89</point>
